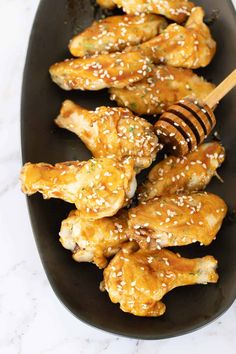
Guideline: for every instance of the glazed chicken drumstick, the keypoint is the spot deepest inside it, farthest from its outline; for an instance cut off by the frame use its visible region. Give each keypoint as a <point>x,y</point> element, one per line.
<point>191,46</point>
<point>93,240</point>
<point>106,4</point>
<point>164,86</point>
<point>113,132</point>
<point>114,33</point>
<point>98,187</point>
<point>177,220</point>
<point>176,10</point>
<point>138,279</point>
<point>101,71</point>
<point>188,174</point>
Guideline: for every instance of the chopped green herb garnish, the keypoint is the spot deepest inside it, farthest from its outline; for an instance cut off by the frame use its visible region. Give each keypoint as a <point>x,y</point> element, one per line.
<point>133,105</point>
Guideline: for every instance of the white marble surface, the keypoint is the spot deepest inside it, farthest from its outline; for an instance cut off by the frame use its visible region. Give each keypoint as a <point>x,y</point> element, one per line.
<point>32,321</point>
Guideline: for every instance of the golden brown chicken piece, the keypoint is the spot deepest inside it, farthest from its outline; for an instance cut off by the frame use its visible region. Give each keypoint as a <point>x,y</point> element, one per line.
<point>162,88</point>
<point>176,10</point>
<point>101,71</point>
<point>138,279</point>
<point>98,187</point>
<point>114,33</point>
<point>188,47</point>
<point>93,240</point>
<point>186,174</point>
<point>106,4</point>
<point>177,220</point>
<point>111,131</point>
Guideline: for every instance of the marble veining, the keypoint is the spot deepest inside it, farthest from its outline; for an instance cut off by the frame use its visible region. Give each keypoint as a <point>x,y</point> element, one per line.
<point>32,320</point>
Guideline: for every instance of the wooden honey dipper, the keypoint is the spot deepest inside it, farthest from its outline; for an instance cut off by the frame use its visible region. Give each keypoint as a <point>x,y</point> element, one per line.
<point>188,122</point>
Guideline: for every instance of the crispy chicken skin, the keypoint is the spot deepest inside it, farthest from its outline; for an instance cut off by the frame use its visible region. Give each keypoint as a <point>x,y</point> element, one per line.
<point>138,279</point>
<point>176,10</point>
<point>114,33</point>
<point>177,220</point>
<point>98,187</point>
<point>111,131</point>
<point>106,4</point>
<point>186,174</point>
<point>101,71</point>
<point>162,88</point>
<point>190,46</point>
<point>93,240</point>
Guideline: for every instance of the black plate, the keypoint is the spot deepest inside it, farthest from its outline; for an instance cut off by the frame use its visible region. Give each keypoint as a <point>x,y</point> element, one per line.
<point>76,285</point>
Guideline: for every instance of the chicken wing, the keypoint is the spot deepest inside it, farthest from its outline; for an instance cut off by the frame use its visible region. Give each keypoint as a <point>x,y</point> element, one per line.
<point>98,187</point>
<point>162,88</point>
<point>93,240</point>
<point>138,279</point>
<point>188,47</point>
<point>177,220</point>
<point>186,174</point>
<point>176,10</point>
<point>113,132</point>
<point>106,4</point>
<point>114,33</point>
<point>101,71</point>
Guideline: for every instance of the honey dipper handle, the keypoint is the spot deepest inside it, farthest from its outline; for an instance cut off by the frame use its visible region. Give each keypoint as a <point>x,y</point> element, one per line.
<point>221,90</point>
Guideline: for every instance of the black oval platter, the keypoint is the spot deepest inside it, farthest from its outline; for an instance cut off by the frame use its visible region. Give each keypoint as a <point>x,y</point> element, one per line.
<point>77,285</point>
